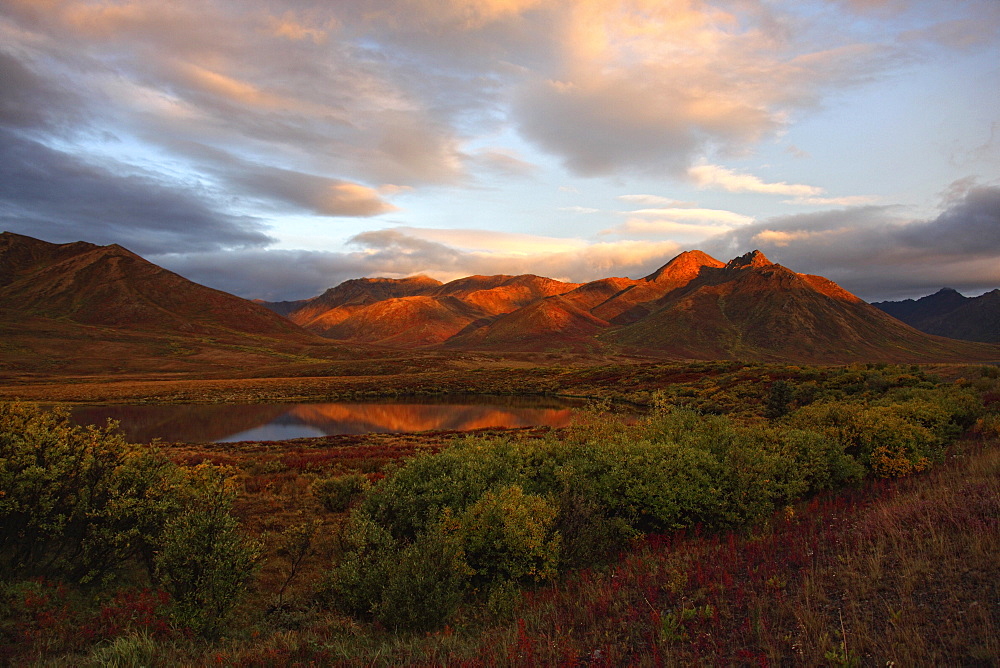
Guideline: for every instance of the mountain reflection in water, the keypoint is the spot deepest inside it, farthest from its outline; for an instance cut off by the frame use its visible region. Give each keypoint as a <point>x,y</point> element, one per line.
<point>203,423</point>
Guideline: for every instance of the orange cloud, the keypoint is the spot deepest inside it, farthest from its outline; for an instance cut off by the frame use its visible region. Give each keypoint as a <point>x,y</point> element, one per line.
<point>289,27</point>
<point>697,215</point>
<point>707,176</point>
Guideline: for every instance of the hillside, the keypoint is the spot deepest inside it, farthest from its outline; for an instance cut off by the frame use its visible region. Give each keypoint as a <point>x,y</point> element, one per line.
<point>404,321</point>
<point>949,313</point>
<point>553,323</point>
<point>754,309</point>
<point>694,306</point>
<point>80,306</point>
<point>415,311</point>
<point>102,309</point>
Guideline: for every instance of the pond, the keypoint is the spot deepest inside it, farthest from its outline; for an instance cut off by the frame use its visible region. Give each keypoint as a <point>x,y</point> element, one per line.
<point>206,423</point>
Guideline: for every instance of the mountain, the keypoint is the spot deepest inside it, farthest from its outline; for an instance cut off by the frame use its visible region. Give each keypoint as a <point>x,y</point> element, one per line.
<point>552,323</point>
<point>84,309</point>
<point>694,306</point>
<point>571,321</point>
<point>113,287</point>
<point>637,301</point>
<point>495,295</point>
<point>949,313</point>
<point>351,295</point>
<point>405,321</point>
<point>752,308</point>
<point>71,304</point>
<point>416,311</point>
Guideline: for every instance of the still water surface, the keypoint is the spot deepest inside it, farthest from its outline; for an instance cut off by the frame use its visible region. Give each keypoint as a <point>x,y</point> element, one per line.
<point>204,423</point>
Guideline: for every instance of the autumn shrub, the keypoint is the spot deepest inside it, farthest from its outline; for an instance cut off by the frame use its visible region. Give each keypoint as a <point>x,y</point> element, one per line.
<point>890,439</point>
<point>205,560</point>
<point>508,537</point>
<point>39,615</point>
<point>75,501</point>
<point>500,513</point>
<point>338,493</point>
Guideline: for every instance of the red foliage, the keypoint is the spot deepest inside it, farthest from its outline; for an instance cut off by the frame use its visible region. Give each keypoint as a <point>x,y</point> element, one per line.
<point>142,609</point>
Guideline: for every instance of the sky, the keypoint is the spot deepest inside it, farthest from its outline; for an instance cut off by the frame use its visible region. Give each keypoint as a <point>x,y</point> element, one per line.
<point>275,148</point>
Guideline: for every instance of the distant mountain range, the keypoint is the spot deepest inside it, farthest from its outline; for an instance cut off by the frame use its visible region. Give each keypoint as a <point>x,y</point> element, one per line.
<point>97,309</point>
<point>692,307</point>
<point>949,313</point>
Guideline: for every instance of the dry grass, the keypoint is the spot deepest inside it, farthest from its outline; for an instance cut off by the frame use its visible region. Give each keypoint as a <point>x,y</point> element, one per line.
<point>891,573</point>
<point>901,573</point>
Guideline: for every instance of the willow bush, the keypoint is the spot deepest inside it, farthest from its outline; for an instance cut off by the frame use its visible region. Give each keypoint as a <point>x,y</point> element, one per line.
<point>488,515</point>
<point>81,504</point>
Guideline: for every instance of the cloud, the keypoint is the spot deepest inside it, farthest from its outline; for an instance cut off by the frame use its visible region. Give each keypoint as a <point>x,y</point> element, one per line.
<point>850,200</point>
<point>59,197</point>
<point>505,162</point>
<point>684,225</point>
<point>292,27</point>
<point>579,209</point>
<point>321,195</point>
<point>490,241</point>
<point>272,86</point>
<point>684,232</point>
<point>782,238</point>
<point>654,200</point>
<point>699,215</point>
<point>709,176</point>
<point>877,253</point>
<point>651,86</point>
<point>29,101</point>
<point>394,253</point>
<point>160,125</point>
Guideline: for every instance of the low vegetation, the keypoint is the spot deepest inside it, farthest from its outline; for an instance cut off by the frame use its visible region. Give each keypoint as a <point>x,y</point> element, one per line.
<point>756,515</point>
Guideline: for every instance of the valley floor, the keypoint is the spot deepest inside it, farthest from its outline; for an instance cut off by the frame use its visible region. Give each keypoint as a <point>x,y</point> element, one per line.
<point>885,572</point>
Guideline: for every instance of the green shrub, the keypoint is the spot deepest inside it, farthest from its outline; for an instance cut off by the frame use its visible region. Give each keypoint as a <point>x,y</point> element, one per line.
<point>779,398</point>
<point>337,494</point>
<point>413,497</point>
<point>427,581</point>
<point>204,560</point>
<point>77,501</point>
<point>487,516</point>
<point>509,536</point>
<point>411,585</point>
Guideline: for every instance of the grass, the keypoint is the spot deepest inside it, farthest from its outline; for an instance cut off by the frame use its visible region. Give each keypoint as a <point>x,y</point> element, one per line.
<point>899,572</point>
<point>892,573</point>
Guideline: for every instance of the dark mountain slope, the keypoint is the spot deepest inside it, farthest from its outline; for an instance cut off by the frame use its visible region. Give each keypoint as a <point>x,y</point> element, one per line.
<point>84,309</point>
<point>111,286</point>
<point>949,313</point>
